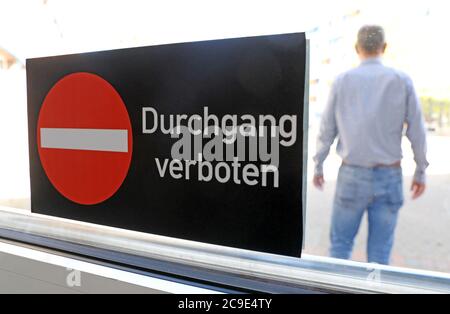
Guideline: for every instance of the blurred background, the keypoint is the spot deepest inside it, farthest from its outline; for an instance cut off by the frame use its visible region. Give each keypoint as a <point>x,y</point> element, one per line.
<point>417,44</point>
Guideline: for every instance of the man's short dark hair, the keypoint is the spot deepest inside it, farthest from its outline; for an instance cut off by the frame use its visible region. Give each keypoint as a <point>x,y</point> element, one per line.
<point>371,38</point>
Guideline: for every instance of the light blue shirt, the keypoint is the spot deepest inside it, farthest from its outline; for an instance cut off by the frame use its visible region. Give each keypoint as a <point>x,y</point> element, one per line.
<point>367,110</point>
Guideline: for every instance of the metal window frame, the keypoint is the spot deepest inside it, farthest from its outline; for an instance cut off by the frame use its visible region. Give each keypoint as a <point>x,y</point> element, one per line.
<point>206,264</point>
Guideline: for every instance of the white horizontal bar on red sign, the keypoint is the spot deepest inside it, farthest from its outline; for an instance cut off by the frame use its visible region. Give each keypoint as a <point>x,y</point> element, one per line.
<point>85,139</point>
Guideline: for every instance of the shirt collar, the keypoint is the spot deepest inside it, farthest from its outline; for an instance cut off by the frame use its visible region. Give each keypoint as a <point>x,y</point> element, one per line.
<point>373,60</point>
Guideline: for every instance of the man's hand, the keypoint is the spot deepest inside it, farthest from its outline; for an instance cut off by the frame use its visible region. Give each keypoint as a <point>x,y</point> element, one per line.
<point>318,181</point>
<point>417,189</point>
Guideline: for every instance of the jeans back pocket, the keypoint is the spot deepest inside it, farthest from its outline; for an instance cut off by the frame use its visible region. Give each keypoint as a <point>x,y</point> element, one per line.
<point>395,192</point>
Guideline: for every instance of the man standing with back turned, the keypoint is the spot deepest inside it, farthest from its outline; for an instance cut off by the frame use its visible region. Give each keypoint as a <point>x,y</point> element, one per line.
<point>367,109</point>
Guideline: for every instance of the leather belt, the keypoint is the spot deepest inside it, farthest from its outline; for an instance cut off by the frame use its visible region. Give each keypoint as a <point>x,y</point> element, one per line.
<point>396,164</point>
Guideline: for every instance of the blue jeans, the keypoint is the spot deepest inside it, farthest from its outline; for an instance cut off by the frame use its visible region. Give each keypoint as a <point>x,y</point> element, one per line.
<point>379,191</point>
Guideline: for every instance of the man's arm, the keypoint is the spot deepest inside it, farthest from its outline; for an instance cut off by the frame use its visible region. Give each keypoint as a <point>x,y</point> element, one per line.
<point>417,136</point>
<point>326,137</point>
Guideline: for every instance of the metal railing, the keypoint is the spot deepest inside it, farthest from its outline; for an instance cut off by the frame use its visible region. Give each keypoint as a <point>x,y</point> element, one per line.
<point>311,272</point>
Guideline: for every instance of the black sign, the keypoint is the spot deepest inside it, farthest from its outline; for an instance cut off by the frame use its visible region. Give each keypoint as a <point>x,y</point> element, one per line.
<point>199,141</point>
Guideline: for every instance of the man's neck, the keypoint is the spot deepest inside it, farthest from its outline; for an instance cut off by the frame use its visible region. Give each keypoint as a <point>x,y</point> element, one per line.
<point>373,58</point>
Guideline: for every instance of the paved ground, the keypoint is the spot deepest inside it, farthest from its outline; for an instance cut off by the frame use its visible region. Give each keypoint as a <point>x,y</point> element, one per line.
<point>423,232</point>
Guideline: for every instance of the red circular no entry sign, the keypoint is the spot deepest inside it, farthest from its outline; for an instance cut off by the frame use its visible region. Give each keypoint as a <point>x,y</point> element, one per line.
<point>84,138</point>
